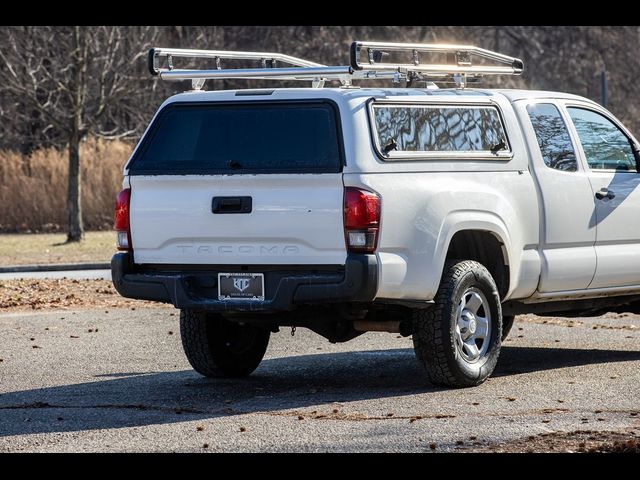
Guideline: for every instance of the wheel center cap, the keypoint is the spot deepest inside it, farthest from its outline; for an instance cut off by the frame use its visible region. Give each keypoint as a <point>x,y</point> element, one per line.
<point>472,325</point>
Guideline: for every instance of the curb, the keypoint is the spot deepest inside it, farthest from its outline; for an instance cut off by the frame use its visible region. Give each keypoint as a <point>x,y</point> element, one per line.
<point>59,267</point>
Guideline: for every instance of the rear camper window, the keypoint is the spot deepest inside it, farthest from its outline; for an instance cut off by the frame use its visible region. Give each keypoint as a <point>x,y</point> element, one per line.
<point>241,138</point>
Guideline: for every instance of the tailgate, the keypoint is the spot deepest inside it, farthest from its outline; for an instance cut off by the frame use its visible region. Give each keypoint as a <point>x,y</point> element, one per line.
<point>293,219</point>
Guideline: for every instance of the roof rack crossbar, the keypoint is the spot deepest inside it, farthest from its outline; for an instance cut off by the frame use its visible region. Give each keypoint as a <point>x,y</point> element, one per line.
<point>371,68</point>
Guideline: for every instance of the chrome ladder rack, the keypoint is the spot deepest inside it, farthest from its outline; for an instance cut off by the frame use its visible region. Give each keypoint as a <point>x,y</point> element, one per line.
<point>459,67</point>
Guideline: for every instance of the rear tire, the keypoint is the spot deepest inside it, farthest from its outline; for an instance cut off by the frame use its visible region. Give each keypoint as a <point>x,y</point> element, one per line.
<point>216,347</point>
<point>458,339</point>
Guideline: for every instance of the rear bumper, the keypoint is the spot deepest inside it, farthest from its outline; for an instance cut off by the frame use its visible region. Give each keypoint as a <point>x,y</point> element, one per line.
<point>285,289</point>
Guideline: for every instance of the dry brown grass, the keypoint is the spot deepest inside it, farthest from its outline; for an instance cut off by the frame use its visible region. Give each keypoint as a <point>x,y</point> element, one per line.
<point>42,248</point>
<point>33,189</point>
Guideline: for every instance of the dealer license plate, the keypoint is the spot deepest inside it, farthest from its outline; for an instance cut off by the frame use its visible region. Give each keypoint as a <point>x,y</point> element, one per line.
<point>241,286</point>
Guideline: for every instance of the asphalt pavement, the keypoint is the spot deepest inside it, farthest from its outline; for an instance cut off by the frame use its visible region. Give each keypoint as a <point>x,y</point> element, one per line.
<point>117,380</point>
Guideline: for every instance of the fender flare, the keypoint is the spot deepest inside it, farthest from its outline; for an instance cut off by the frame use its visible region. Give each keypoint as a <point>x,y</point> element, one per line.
<point>460,220</point>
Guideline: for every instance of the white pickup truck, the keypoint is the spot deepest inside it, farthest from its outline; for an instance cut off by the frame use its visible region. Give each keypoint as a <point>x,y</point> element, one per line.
<point>437,213</point>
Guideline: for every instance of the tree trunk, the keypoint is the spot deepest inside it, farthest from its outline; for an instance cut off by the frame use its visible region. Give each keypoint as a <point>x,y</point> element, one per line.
<point>75,231</point>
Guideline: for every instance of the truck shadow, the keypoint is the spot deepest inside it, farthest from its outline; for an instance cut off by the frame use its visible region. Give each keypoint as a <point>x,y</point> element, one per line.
<point>282,386</point>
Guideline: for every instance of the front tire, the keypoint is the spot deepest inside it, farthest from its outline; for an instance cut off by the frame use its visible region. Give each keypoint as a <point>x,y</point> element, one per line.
<point>216,347</point>
<point>458,339</point>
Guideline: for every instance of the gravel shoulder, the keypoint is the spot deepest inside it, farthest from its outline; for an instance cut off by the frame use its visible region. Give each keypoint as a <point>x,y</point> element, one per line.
<point>62,294</point>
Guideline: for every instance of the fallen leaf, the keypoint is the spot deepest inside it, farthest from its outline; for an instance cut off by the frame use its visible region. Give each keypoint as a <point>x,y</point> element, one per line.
<point>206,445</point>
<point>242,429</point>
<point>300,417</point>
<point>433,446</point>
<point>199,428</point>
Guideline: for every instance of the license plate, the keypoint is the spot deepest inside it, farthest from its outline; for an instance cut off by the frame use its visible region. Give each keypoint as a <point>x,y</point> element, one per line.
<point>241,286</point>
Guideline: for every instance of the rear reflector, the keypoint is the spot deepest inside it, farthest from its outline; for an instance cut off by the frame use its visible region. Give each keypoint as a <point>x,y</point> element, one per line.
<point>121,220</point>
<point>361,219</point>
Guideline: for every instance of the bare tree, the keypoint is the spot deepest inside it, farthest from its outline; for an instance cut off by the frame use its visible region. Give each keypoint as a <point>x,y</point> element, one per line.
<point>75,78</point>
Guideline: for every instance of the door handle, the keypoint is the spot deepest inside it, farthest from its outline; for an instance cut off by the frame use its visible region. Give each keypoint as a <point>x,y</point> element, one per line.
<point>231,204</point>
<point>605,193</point>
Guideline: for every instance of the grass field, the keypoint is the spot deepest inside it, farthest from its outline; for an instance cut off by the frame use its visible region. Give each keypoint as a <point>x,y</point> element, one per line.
<point>33,189</point>
<point>27,249</point>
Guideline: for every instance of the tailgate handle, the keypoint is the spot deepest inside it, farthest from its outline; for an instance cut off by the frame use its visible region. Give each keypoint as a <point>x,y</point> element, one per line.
<point>231,204</point>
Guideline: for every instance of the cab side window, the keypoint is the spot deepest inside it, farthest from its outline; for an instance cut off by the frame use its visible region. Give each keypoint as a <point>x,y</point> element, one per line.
<point>605,146</point>
<point>553,137</point>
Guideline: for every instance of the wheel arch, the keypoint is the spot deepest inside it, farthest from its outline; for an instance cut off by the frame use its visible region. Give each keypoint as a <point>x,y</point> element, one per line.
<point>480,236</point>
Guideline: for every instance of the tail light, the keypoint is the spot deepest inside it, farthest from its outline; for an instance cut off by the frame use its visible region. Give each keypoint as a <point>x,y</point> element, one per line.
<point>121,220</point>
<point>361,219</point>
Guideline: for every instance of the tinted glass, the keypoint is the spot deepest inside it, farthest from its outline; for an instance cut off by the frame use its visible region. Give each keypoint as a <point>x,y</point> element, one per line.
<point>553,137</point>
<point>266,138</point>
<point>604,145</point>
<point>440,129</point>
